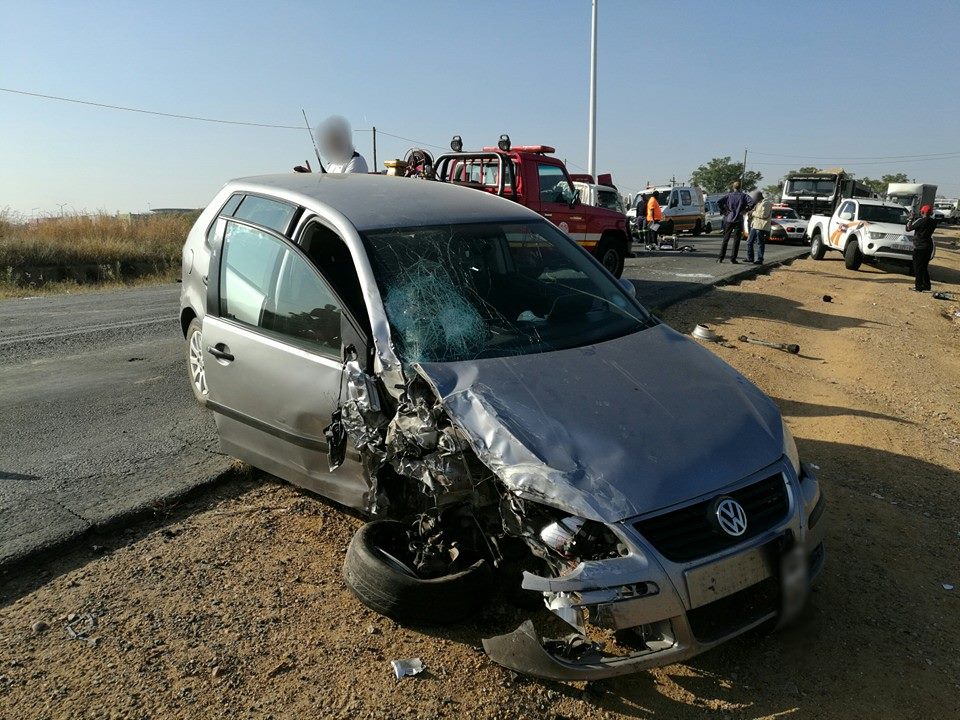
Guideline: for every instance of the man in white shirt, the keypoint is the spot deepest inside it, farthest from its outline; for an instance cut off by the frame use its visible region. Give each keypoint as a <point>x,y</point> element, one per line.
<point>335,139</point>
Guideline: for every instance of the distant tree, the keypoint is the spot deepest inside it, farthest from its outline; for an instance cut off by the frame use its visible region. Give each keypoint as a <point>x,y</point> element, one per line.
<point>718,175</point>
<point>772,191</point>
<point>806,169</point>
<point>878,186</point>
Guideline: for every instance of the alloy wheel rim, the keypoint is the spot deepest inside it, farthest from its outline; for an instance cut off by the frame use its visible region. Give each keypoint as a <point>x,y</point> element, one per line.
<point>197,374</point>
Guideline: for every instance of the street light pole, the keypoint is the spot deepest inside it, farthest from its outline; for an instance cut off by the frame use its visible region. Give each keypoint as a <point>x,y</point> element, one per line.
<point>592,131</point>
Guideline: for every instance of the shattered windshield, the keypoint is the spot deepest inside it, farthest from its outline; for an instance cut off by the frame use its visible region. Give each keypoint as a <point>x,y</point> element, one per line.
<point>460,292</point>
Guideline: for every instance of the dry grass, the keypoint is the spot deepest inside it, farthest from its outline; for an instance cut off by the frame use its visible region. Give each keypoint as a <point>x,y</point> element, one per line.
<point>92,239</point>
<point>10,290</point>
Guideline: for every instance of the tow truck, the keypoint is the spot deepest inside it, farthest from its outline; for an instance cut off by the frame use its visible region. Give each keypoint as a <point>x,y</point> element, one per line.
<point>531,176</point>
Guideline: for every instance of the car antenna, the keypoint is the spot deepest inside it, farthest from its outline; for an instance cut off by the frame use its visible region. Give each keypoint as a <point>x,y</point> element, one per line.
<point>314,141</point>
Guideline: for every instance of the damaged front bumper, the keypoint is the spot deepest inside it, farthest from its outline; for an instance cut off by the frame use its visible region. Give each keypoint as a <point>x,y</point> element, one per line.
<point>662,612</point>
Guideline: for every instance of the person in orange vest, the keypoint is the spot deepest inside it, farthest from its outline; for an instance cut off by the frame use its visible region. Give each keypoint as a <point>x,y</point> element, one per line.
<point>654,216</point>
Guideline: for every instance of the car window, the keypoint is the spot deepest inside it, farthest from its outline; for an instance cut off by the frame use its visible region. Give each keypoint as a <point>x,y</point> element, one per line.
<point>609,199</point>
<point>304,310</point>
<point>228,209</point>
<point>250,260</point>
<point>266,285</point>
<point>847,207</point>
<point>268,213</point>
<point>685,198</point>
<point>883,213</point>
<point>554,186</point>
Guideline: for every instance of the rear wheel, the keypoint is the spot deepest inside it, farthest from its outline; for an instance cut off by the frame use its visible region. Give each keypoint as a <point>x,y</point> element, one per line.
<point>708,229</point>
<point>852,257</point>
<point>698,229</point>
<point>198,376</point>
<point>817,248</point>
<point>611,256</point>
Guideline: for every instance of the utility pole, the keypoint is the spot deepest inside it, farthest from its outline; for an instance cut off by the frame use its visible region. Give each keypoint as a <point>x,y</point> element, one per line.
<point>592,131</point>
<point>743,172</point>
<point>375,166</point>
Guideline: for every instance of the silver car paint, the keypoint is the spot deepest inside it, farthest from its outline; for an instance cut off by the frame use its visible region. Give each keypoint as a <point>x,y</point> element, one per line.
<point>612,430</point>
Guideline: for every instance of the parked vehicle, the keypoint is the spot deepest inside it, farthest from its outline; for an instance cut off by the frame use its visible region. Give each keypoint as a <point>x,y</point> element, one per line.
<point>786,225</point>
<point>820,193</point>
<point>454,366</point>
<point>912,196</point>
<point>712,217</point>
<point>683,206</point>
<point>530,176</point>
<point>947,210</point>
<point>602,193</point>
<point>862,230</point>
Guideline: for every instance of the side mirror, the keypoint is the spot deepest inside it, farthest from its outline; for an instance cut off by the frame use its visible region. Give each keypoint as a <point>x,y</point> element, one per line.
<point>628,287</point>
<point>846,216</point>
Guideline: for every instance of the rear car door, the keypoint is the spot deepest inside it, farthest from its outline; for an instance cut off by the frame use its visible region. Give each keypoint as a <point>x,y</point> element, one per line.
<point>272,335</point>
<point>556,194</point>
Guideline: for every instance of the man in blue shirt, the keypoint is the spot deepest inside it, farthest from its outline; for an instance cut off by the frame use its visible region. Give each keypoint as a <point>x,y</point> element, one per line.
<point>734,205</point>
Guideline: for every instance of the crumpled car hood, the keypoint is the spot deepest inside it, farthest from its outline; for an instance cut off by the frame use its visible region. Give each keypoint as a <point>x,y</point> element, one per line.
<point>612,430</point>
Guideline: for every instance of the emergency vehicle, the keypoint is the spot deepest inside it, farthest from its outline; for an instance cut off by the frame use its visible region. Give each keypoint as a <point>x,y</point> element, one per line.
<point>531,176</point>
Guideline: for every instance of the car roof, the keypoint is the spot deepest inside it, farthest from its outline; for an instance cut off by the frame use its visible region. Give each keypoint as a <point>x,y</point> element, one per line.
<point>379,201</point>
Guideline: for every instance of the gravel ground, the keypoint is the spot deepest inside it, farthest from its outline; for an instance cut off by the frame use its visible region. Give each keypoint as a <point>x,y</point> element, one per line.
<point>231,605</point>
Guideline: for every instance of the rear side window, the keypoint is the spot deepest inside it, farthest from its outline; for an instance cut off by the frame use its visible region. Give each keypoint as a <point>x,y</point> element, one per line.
<point>228,209</point>
<point>268,213</point>
<point>685,197</point>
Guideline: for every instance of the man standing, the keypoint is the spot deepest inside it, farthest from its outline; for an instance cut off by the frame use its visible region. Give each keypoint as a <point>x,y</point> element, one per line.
<point>734,205</point>
<point>759,227</point>
<point>336,145</point>
<point>654,216</point>
<point>922,228</point>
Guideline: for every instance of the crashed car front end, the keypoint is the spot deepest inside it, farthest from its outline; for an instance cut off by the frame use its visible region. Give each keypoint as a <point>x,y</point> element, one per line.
<point>657,490</point>
<point>667,598</point>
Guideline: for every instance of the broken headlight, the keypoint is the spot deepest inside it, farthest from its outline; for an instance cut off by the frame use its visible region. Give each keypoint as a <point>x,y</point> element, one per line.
<point>575,538</point>
<point>790,448</point>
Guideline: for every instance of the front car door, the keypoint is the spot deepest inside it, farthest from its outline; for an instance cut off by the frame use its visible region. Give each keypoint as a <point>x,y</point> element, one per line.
<point>272,335</point>
<point>839,231</point>
<point>556,195</point>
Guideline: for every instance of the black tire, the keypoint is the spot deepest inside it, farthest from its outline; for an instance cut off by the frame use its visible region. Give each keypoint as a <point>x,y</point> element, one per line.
<point>708,229</point>
<point>852,257</point>
<point>611,255</point>
<point>387,590</point>
<point>198,384</point>
<point>817,248</point>
<point>697,229</point>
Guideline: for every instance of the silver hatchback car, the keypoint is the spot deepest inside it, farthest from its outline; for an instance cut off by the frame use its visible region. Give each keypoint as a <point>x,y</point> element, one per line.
<point>454,366</point>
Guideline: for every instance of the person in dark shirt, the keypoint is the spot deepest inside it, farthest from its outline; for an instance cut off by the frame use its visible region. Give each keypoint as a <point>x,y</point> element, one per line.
<point>734,205</point>
<point>923,228</point>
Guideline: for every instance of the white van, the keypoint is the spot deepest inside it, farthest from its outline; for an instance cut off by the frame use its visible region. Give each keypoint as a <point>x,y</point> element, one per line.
<point>682,204</point>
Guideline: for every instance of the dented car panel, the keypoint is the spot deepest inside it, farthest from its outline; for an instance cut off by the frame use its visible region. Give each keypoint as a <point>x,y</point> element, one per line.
<point>609,431</point>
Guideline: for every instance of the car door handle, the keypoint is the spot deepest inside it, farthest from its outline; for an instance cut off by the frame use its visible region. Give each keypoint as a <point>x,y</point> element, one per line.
<point>220,352</point>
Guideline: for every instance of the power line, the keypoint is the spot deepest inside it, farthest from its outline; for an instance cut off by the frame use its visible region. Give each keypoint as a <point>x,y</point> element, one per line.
<point>150,112</point>
<point>419,143</point>
<point>878,162</point>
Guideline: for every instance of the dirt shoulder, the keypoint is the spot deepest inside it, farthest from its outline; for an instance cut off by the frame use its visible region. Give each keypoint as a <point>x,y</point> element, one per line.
<point>232,605</point>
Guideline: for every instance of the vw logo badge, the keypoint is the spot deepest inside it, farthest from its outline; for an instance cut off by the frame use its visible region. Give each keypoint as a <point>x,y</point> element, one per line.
<point>731,517</point>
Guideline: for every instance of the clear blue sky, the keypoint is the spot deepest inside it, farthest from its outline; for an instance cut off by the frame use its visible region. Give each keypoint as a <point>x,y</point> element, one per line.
<point>679,83</point>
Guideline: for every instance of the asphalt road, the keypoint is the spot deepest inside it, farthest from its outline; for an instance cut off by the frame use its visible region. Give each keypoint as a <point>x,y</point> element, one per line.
<point>97,420</point>
<point>96,417</point>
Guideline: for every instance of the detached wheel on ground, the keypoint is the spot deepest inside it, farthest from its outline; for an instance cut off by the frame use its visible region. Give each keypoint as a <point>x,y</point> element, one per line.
<point>375,572</point>
<point>852,257</point>
<point>198,377</point>
<point>817,248</point>
<point>611,256</point>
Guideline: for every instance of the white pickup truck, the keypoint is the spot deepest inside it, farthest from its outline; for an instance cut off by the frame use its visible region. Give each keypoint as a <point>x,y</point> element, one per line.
<point>862,229</point>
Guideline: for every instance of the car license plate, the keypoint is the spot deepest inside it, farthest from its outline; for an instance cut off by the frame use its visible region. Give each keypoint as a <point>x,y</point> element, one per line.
<point>903,246</point>
<point>725,577</point>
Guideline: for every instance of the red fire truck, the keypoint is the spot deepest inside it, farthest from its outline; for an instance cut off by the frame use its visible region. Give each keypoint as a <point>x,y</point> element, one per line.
<point>529,175</point>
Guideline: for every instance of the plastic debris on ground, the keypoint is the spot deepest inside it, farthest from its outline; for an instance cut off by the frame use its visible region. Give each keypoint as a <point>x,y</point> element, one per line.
<point>947,586</point>
<point>410,666</point>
